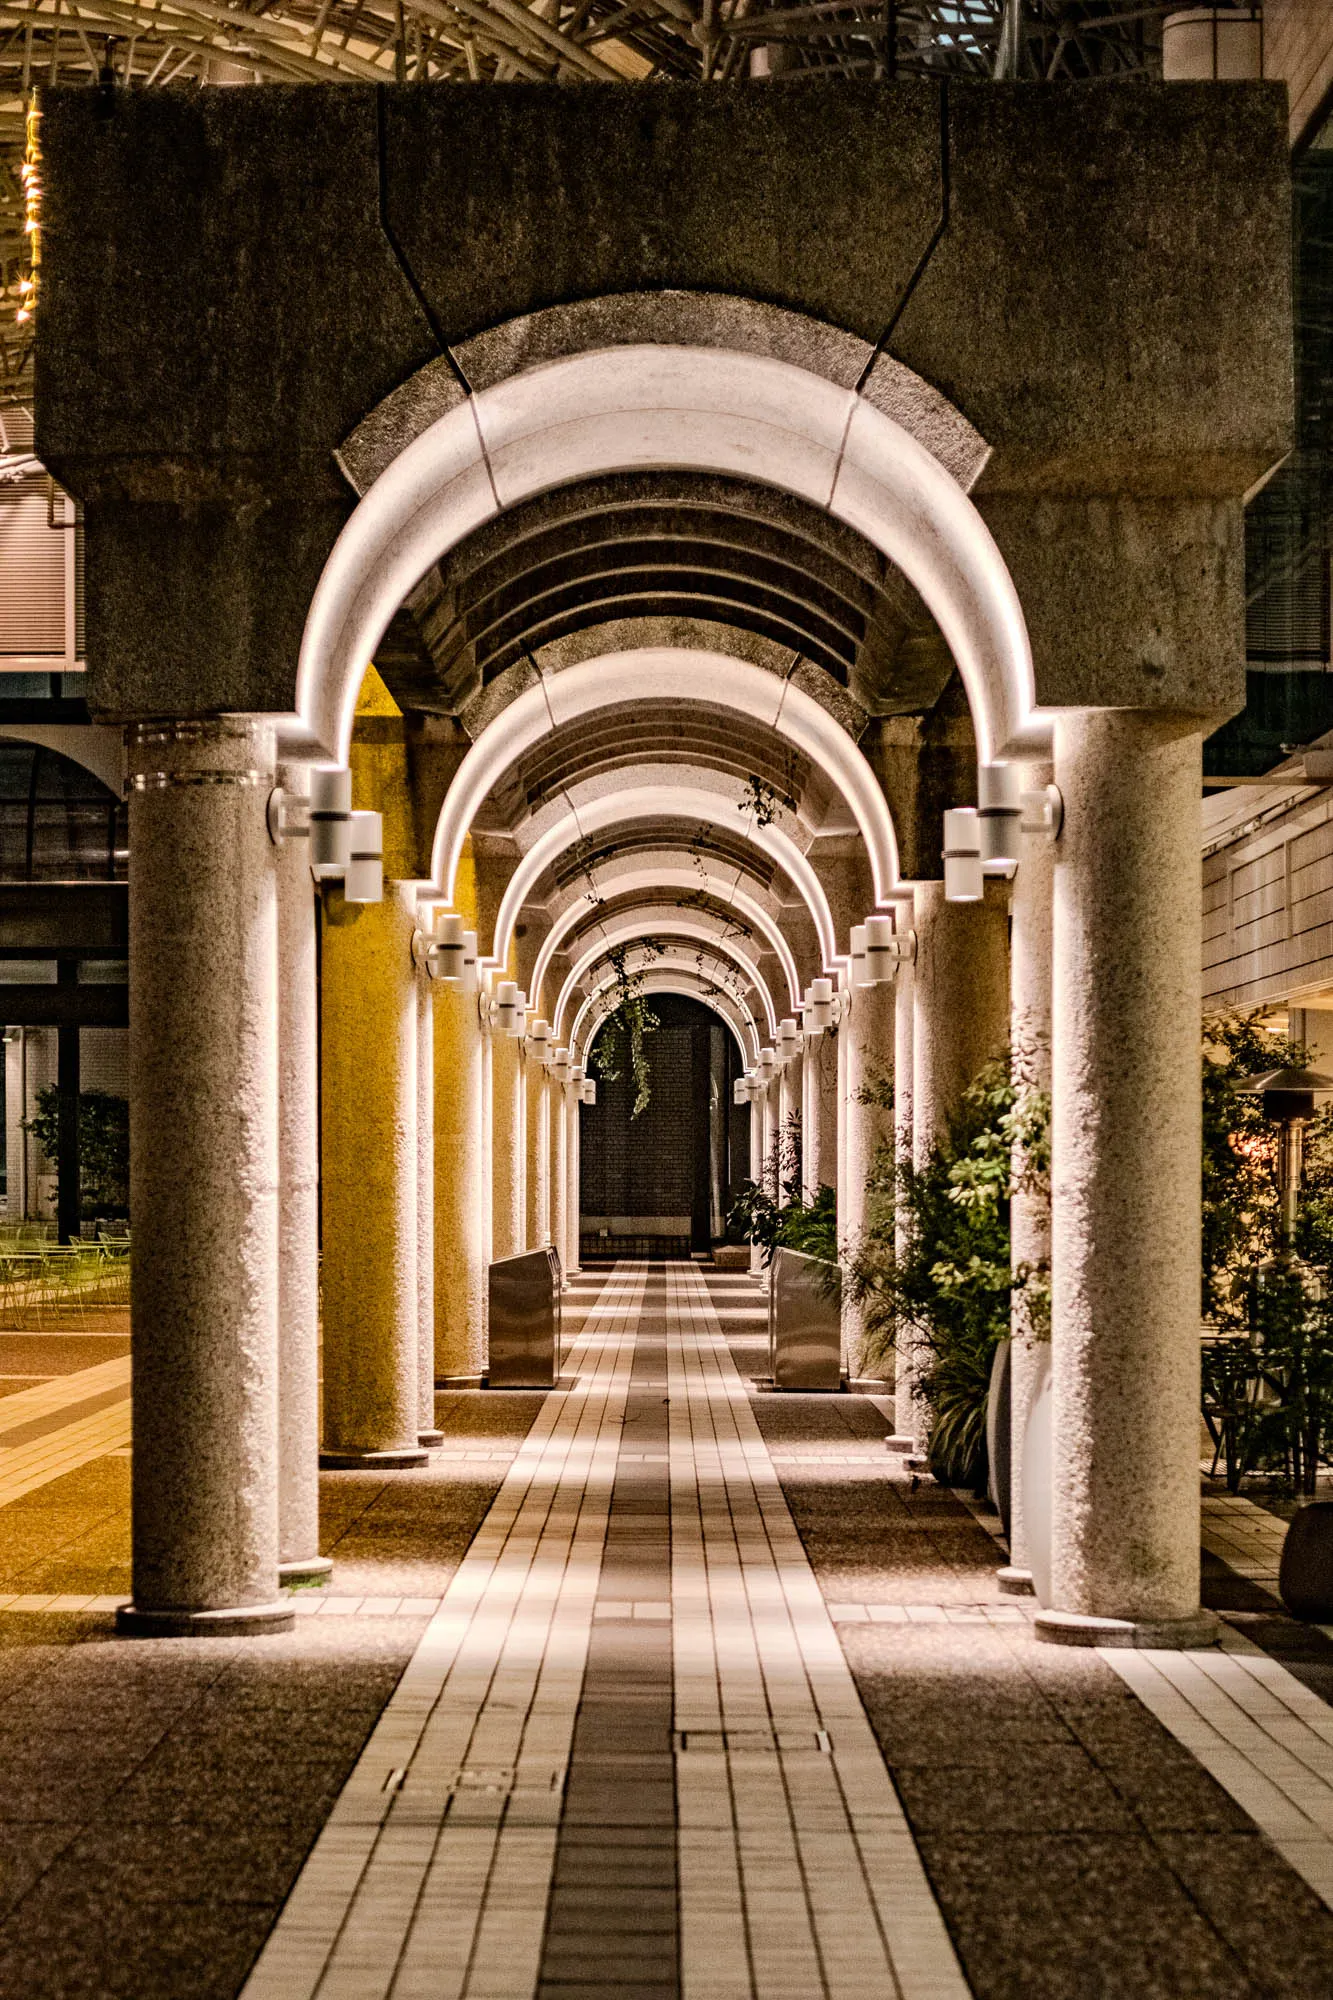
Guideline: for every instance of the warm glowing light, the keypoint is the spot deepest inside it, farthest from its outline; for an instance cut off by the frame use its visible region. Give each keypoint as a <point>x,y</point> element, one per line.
<point>30,174</point>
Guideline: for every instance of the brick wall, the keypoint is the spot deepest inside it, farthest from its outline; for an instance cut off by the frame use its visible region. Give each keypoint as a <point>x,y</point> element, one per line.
<point>654,1169</point>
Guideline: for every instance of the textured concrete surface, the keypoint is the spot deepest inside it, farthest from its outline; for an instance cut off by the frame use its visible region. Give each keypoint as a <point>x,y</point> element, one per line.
<point>1126,1145</point>
<point>508,1194</point>
<point>460,1263</point>
<point>1080,222</point>
<point>1073,1846</point>
<point>298,1195</point>
<point>159,1798</point>
<point>204,1165</point>
<point>369,1141</point>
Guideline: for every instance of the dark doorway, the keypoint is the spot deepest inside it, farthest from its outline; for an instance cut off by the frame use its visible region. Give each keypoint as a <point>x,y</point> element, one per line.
<point>660,1185</point>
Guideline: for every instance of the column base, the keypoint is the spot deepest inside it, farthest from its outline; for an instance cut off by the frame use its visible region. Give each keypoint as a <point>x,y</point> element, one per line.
<point>896,1442</point>
<point>460,1381</point>
<point>1076,1628</point>
<point>373,1461</point>
<point>428,1440</point>
<point>232,1622</point>
<point>1014,1582</point>
<point>307,1569</point>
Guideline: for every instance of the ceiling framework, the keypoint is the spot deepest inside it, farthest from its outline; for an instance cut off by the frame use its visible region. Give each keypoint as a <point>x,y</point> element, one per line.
<point>666,558</point>
<point>775,776</point>
<point>181,44</point>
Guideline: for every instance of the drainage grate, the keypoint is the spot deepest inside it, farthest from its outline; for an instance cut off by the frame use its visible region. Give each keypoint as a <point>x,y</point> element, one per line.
<point>750,1742</point>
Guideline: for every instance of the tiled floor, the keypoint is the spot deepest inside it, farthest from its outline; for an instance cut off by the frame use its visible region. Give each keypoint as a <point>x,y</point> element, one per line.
<point>628,1755</point>
<point>648,1688</point>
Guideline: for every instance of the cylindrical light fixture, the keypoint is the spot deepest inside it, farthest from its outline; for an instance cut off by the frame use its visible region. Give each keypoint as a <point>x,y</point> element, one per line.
<point>539,1039</point>
<point>588,1090</point>
<point>857,944</point>
<point>471,967</point>
<point>789,1040</point>
<point>576,1074</point>
<point>560,1064</point>
<point>364,880</point>
<point>330,822</point>
<point>447,949</point>
<point>766,1067</point>
<point>963,878</point>
<point>740,1091</point>
<point>881,951</point>
<point>1000,813</point>
<point>521,1014</point>
<point>504,1007</point>
<point>819,1006</point>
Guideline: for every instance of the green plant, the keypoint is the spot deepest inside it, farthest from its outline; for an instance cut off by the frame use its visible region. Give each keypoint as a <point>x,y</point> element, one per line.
<point>631,1020</point>
<point>104,1147</point>
<point>933,1262</point>
<point>785,1219</point>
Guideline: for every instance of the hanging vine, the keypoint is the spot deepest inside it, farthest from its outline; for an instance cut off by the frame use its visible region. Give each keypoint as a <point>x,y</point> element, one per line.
<point>628,1024</point>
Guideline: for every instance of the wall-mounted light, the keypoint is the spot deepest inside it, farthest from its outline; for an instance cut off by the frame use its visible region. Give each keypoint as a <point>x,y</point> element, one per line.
<point>505,1008</point>
<point>588,1090</point>
<point>1044,812</point>
<point>999,816</point>
<point>539,1039</point>
<point>881,955</point>
<point>740,1090</point>
<point>330,823</point>
<point>766,1066</point>
<point>818,1013</point>
<point>560,1065</point>
<point>449,948</point>
<point>857,950</point>
<point>364,880</point>
<point>789,1040</point>
<point>964,881</point>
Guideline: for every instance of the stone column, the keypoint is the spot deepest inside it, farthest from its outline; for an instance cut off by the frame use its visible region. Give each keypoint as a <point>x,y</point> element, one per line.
<point>298,1207</point>
<point>558,1128</point>
<point>573,1196</point>
<point>371,1027</point>
<point>790,1091</point>
<point>427,1432</point>
<point>757,1169</point>
<point>1126,957</point>
<point>961,1010</point>
<point>1030,1203</point>
<point>819,1114</point>
<point>909,1420</point>
<point>770,1137</point>
<point>866,1029</point>
<point>487,1148</point>
<point>507,1207</point>
<point>204,1171</point>
<point>460,1187</point>
<point>538,1133</point>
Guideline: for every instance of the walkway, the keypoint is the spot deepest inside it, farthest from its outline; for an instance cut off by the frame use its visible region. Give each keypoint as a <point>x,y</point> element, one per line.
<point>631,1706</point>
<point>648,1689</point>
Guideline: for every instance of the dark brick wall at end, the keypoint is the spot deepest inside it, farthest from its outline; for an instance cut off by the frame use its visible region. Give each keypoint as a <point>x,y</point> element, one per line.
<point>659,1163</point>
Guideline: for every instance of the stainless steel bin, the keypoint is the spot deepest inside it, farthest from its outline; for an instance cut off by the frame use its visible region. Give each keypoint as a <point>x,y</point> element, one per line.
<point>525,1321</point>
<point>804,1323</point>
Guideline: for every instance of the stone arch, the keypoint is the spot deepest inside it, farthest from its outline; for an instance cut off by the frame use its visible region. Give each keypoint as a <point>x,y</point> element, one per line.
<point>669,976</point>
<point>686,802</point>
<point>711,679</point>
<point>641,407</point>
<point>634,931</point>
<point>684,878</point>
